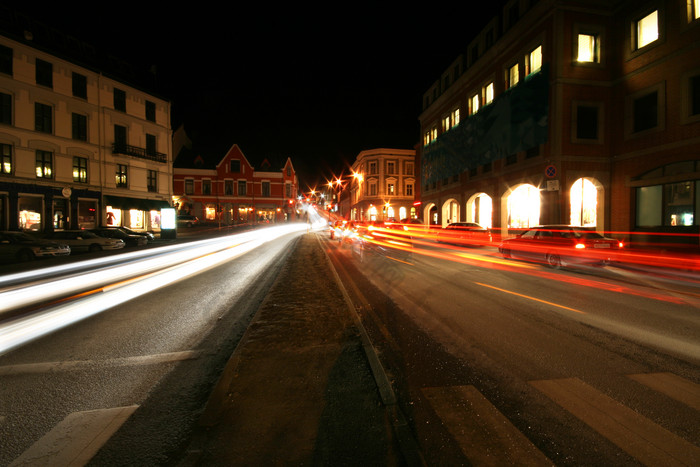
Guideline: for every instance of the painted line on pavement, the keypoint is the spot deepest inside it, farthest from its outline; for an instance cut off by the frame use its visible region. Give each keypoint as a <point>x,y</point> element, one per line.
<point>531,298</point>
<point>673,386</point>
<point>641,438</point>
<point>76,439</point>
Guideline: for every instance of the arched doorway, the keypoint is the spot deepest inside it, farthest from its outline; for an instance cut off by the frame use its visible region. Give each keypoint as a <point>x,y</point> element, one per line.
<point>480,210</point>
<point>586,211</point>
<point>450,212</point>
<point>523,207</point>
<point>430,214</point>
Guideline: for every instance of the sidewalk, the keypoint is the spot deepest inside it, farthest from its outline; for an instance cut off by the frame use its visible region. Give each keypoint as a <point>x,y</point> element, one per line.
<point>299,389</point>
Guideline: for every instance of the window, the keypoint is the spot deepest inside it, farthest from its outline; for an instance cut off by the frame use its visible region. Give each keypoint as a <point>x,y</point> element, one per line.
<point>235,166</point>
<point>588,50</point>
<point>693,10</point>
<point>150,144</point>
<point>373,167</point>
<point>152,181</point>
<point>266,189</point>
<point>44,164</point>
<point>242,187</point>
<point>409,189</point>
<point>391,167</point>
<point>80,171</point>
<point>79,86</point>
<point>189,186</point>
<point>5,158</point>
<point>373,189</point>
<point>5,108</point>
<point>455,117</point>
<point>488,93</point>
<point>122,176</point>
<point>206,187</point>
<point>44,73</point>
<point>150,111</point>
<point>43,120</point>
<point>120,138</point>
<point>446,123</point>
<point>645,112</point>
<point>228,187</point>
<point>474,104</point>
<point>694,87</point>
<point>408,168</point>
<point>5,60</point>
<point>513,76</point>
<point>647,29</point>
<point>119,100</point>
<point>533,61</point>
<point>586,123</point>
<point>79,123</point>
<point>288,190</point>
<point>390,188</point>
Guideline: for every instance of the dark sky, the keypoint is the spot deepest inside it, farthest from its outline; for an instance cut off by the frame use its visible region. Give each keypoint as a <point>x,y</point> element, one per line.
<point>316,84</point>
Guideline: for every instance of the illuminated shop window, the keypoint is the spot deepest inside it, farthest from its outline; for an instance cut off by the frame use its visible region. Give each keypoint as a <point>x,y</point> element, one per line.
<point>524,207</point>
<point>584,203</point>
<point>647,29</point>
<point>480,210</point>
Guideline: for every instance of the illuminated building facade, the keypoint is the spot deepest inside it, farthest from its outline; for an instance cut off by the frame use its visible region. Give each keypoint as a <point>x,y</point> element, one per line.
<point>577,112</point>
<point>383,185</point>
<point>233,191</point>
<point>78,148</point>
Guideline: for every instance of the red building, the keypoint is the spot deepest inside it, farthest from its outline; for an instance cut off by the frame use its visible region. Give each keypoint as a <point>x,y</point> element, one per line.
<point>234,191</point>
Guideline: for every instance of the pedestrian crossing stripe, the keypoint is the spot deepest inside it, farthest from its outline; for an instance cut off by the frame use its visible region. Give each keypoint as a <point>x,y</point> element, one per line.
<point>643,439</point>
<point>673,386</point>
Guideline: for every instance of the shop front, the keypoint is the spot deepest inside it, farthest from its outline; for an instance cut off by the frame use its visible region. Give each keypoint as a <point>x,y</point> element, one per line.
<point>134,213</point>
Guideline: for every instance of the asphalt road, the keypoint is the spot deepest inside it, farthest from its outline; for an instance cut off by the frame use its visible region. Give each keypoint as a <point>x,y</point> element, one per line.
<point>505,362</point>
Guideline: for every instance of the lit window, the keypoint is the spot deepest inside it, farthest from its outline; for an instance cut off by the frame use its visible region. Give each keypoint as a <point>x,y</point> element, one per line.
<point>446,123</point>
<point>513,76</point>
<point>587,48</point>
<point>648,29</point>
<point>474,103</point>
<point>44,164</point>
<point>534,61</point>
<point>694,6</point>
<point>455,117</point>
<point>488,94</point>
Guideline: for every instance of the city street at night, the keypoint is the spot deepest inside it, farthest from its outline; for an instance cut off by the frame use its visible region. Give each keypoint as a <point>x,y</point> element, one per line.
<point>468,358</point>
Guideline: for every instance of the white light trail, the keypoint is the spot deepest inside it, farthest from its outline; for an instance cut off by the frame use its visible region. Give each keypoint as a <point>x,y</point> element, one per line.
<point>159,272</point>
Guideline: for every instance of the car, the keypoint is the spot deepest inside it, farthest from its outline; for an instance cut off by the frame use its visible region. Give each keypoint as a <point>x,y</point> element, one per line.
<point>115,232</point>
<point>20,246</point>
<point>187,220</point>
<point>83,240</point>
<point>149,235</point>
<point>464,234</point>
<point>561,245</point>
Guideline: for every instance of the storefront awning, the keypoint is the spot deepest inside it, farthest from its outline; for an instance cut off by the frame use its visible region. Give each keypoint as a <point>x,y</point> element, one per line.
<point>122,202</point>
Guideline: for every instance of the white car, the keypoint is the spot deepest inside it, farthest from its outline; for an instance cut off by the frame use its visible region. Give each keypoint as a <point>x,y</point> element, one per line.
<point>83,240</point>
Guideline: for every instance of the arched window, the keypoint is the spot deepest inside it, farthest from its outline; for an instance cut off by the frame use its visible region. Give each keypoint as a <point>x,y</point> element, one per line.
<point>524,207</point>
<point>584,203</point>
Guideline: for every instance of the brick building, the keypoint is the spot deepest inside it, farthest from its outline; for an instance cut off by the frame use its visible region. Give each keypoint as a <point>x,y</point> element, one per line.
<point>576,112</point>
<point>233,191</point>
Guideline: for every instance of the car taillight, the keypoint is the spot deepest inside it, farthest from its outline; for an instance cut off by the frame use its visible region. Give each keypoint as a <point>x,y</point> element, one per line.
<point>580,246</point>
<point>621,245</point>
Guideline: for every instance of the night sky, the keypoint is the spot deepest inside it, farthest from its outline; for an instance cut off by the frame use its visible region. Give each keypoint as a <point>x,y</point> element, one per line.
<point>316,84</point>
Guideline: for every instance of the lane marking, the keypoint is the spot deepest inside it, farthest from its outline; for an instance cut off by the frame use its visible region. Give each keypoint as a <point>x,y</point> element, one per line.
<point>531,298</point>
<point>673,386</point>
<point>484,434</point>
<point>76,439</point>
<point>643,439</point>
<point>45,367</point>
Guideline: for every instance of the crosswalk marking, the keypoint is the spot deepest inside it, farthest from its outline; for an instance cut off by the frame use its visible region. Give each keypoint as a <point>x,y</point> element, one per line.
<point>485,436</point>
<point>673,386</point>
<point>76,439</point>
<point>648,442</point>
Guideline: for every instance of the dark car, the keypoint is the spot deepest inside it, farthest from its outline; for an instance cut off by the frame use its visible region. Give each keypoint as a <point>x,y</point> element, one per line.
<point>20,246</point>
<point>115,232</point>
<point>464,234</point>
<point>187,220</point>
<point>149,235</point>
<point>83,240</point>
<point>561,245</point>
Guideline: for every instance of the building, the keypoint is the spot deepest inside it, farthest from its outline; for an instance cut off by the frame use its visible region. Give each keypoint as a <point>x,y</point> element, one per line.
<point>79,147</point>
<point>576,112</point>
<point>382,186</point>
<point>233,191</point>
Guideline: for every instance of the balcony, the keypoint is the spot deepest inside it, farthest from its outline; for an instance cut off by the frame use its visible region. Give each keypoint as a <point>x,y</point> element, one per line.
<point>141,153</point>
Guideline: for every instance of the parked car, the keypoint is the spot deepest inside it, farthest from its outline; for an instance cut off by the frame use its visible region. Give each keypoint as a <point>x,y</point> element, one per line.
<point>115,232</point>
<point>561,245</point>
<point>187,220</point>
<point>20,246</point>
<point>83,240</point>
<point>149,235</point>
<point>464,234</point>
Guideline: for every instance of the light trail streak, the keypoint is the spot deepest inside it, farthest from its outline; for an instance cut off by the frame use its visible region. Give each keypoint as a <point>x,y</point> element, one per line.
<point>19,331</point>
